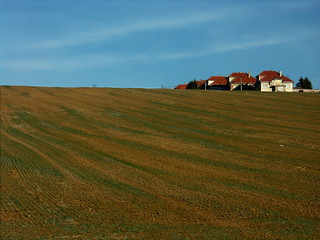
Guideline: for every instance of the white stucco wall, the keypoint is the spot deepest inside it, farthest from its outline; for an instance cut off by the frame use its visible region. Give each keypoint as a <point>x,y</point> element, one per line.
<point>233,86</point>
<point>231,78</point>
<point>276,82</point>
<point>289,87</point>
<point>265,87</point>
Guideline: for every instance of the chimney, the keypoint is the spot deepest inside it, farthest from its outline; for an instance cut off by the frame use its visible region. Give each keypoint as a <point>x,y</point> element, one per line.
<point>280,73</point>
<point>249,74</point>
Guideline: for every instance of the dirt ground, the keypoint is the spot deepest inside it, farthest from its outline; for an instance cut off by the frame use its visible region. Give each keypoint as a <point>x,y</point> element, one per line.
<point>103,163</point>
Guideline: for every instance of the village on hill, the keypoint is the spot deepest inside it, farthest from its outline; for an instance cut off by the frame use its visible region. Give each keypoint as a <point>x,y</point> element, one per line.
<point>266,81</point>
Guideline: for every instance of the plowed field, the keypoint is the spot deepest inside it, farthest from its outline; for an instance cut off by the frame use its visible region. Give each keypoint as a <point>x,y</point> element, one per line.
<point>100,163</point>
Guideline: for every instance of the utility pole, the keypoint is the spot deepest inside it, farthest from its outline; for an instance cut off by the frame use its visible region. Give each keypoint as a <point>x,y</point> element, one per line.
<point>241,83</point>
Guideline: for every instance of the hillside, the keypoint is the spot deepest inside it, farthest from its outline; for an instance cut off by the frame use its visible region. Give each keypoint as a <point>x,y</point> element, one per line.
<point>100,163</point>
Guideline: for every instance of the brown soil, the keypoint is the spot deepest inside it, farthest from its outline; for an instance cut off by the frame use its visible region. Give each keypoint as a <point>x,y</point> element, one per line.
<point>98,163</point>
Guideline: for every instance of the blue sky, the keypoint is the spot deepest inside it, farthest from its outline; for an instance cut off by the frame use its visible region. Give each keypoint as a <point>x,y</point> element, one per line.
<point>149,43</point>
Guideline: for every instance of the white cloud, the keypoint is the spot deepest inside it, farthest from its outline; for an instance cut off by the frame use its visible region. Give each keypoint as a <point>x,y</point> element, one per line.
<point>292,4</point>
<point>249,44</point>
<point>70,63</point>
<point>224,47</point>
<point>108,32</point>
<point>99,60</point>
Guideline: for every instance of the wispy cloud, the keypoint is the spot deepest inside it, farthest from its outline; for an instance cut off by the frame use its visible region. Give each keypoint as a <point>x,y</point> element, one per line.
<point>93,61</point>
<point>292,4</point>
<point>249,44</point>
<point>108,32</point>
<point>224,47</point>
<point>49,64</point>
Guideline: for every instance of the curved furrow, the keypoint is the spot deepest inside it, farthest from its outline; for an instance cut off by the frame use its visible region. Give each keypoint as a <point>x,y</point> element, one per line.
<point>79,180</point>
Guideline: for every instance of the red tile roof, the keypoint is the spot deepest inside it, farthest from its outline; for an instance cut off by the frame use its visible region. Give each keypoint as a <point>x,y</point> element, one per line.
<point>242,77</point>
<point>218,80</point>
<point>268,76</point>
<point>238,74</point>
<point>181,86</point>
<point>201,82</point>
<point>184,86</point>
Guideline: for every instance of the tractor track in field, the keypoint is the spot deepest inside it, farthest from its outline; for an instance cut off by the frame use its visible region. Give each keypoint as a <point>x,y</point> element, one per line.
<point>86,191</point>
<point>90,189</point>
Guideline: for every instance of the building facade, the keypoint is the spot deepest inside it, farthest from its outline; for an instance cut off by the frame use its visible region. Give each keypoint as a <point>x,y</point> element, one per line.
<point>217,83</point>
<point>266,81</point>
<point>241,81</point>
<point>272,81</point>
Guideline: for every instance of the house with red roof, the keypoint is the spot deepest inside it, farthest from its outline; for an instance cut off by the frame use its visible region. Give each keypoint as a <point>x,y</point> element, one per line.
<point>272,81</point>
<point>201,84</point>
<point>217,83</point>
<point>181,86</point>
<point>267,81</point>
<point>241,81</point>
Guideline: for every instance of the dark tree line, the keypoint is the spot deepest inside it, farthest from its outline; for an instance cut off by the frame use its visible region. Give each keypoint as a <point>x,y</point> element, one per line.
<point>193,85</point>
<point>304,83</point>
